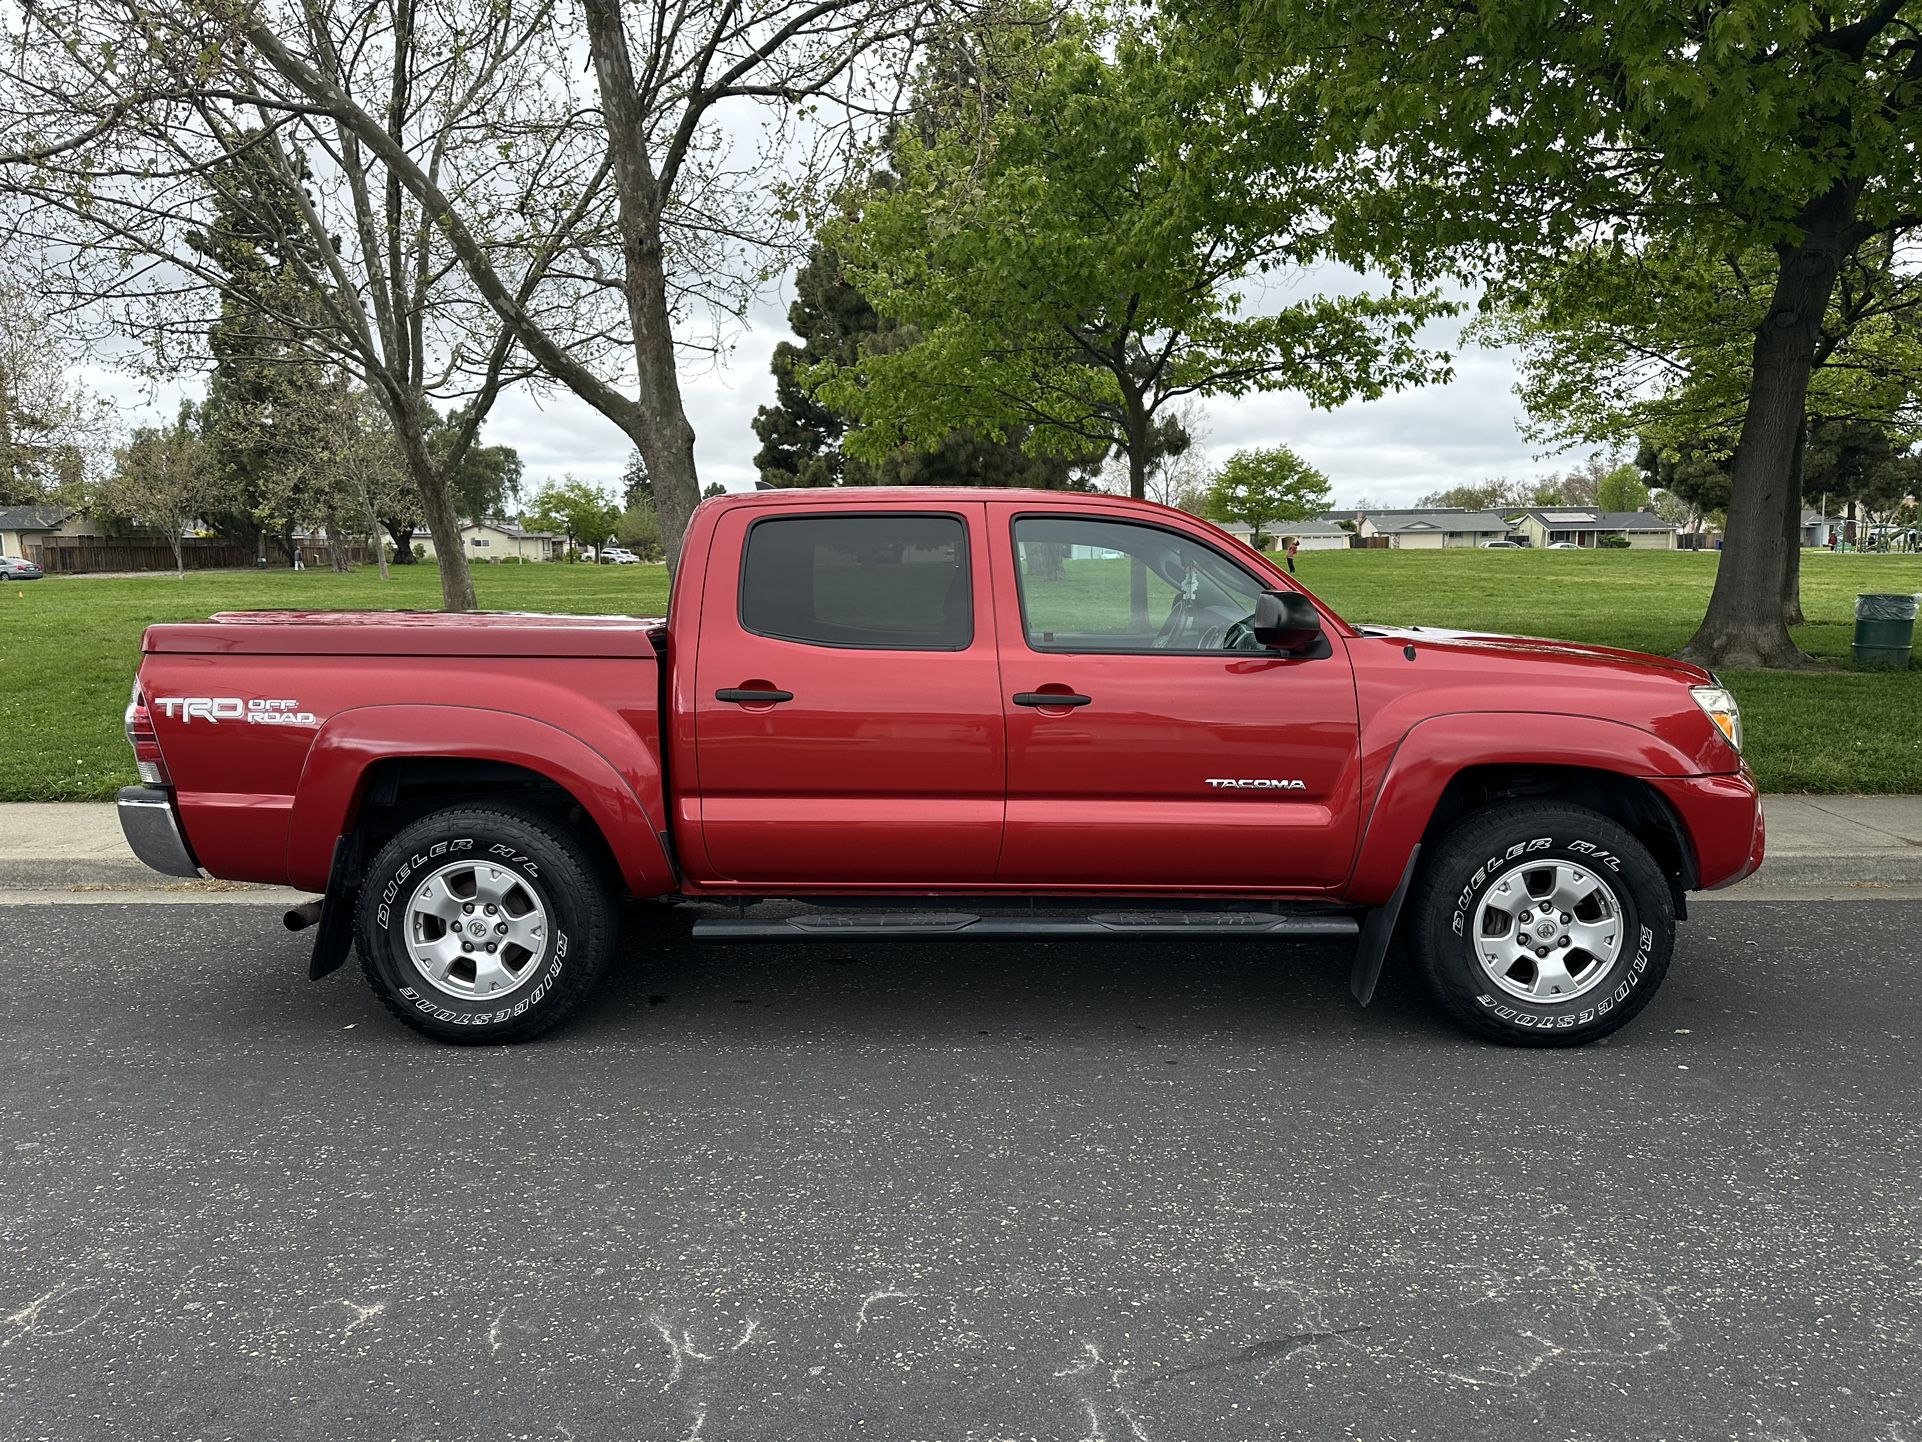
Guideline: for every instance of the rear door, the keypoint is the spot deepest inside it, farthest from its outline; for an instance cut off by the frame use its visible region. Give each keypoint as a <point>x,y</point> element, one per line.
<point>847,705</point>
<point>1150,743</point>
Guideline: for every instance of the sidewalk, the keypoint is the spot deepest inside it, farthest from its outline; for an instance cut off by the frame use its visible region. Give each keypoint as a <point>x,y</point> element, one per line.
<point>1827,844</point>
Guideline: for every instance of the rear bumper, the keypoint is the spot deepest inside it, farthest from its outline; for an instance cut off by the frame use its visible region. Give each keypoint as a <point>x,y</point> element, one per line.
<point>1723,818</point>
<point>152,830</point>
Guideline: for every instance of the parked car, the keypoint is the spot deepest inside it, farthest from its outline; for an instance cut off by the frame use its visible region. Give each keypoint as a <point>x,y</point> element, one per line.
<point>943,714</point>
<point>1563,546</point>
<point>18,568</point>
<point>1501,545</point>
<point>618,556</point>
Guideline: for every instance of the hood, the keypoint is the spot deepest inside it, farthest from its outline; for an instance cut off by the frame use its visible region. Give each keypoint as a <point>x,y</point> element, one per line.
<point>1539,647</point>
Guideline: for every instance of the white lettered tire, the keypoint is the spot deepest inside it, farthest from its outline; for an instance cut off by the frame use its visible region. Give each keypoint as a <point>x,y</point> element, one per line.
<point>1542,924</point>
<point>484,924</point>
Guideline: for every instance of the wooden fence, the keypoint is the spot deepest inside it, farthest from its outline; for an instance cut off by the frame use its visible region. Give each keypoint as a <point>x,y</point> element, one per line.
<point>61,555</point>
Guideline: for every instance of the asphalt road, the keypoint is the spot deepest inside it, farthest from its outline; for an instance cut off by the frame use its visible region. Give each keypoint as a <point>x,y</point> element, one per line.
<point>1181,1194</point>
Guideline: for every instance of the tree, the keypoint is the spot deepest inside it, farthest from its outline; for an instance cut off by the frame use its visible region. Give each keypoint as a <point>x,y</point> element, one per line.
<point>1262,485</point>
<point>639,529</point>
<point>1512,132</point>
<point>801,435</point>
<point>161,479</point>
<point>161,170</point>
<point>1495,494</point>
<point>1622,489</point>
<point>577,510</point>
<point>50,428</point>
<point>1072,261</point>
<point>713,489</point>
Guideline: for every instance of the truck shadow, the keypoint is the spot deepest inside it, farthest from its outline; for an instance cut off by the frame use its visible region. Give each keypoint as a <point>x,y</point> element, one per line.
<point>938,990</point>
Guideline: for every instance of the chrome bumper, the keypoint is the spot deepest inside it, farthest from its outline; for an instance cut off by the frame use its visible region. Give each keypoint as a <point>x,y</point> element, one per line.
<point>153,831</point>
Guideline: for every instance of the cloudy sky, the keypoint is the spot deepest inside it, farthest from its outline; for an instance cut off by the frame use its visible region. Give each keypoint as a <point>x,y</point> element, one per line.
<point>1387,451</point>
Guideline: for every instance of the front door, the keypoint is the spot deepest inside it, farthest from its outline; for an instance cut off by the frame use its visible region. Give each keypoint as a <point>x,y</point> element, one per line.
<point>1151,742</point>
<point>847,700</point>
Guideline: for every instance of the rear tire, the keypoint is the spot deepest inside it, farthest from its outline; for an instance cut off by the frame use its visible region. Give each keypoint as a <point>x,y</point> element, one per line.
<point>1542,924</point>
<point>484,924</point>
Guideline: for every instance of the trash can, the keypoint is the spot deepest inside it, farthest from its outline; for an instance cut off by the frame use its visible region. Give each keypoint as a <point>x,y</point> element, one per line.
<point>1884,630</point>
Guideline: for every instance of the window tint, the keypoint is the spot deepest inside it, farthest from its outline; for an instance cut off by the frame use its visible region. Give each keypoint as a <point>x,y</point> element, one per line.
<point>1111,586</point>
<point>896,582</point>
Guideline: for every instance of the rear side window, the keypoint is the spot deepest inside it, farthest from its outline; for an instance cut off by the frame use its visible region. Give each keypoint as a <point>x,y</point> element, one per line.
<point>896,583</point>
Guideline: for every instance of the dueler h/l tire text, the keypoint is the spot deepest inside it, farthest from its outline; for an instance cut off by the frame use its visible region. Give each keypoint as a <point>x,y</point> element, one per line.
<point>484,924</point>
<point>1542,924</point>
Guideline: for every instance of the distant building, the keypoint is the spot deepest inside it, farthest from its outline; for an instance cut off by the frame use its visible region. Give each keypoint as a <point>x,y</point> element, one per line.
<point>1585,526</point>
<point>498,540</point>
<point>1314,535</point>
<point>1432,529</point>
<point>25,529</point>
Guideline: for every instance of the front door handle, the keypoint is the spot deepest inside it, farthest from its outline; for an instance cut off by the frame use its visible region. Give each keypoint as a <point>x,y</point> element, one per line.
<point>753,698</point>
<point>1051,698</point>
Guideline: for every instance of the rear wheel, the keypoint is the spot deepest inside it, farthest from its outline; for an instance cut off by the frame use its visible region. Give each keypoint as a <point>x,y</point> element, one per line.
<point>1542,924</point>
<point>484,924</point>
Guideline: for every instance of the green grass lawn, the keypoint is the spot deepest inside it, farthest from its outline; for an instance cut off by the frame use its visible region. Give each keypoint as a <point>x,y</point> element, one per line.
<point>68,646</point>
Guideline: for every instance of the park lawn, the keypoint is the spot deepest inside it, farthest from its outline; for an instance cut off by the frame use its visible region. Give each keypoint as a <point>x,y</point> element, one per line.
<point>68,646</point>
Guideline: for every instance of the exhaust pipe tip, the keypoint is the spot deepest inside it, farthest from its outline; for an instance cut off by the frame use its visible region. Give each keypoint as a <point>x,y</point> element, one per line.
<point>301,917</point>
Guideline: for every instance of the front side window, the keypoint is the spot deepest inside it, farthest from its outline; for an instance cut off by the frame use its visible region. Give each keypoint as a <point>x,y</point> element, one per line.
<point>863,582</point>
<point>1090,585</point>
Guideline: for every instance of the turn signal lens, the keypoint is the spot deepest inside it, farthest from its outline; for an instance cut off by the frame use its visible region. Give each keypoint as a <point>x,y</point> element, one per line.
<point>1720,708</point>
<point>146,745</point>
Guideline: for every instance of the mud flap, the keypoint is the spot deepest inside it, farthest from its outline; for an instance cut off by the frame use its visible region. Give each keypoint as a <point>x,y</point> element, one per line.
<point>1376,932</point>
<point>334,936</point>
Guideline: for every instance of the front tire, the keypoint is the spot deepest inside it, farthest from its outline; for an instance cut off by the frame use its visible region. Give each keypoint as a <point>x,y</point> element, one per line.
<point>1542,924</point>
<point>484,925</point>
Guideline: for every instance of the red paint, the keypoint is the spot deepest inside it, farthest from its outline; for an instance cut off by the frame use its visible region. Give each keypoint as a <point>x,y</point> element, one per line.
<point>915,771</point>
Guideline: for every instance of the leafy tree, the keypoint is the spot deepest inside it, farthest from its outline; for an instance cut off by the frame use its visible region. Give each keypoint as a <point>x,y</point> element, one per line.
<point>485,480</point>
<point>713,489</point>
<point>162,478</point>
<point>50,428</point>
<point>801,435</point>
<point>1622,489</point>
<point>639,529</point>
<point>1496,494</point>
<point>1515,132</point>
<point>1862,463</point>
<point>1263,485</point>
<point>1073,260</point>
<point>577,510</point>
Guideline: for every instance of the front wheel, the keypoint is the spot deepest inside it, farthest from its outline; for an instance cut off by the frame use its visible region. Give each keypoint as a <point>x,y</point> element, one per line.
<point>1542,924</point>
<point>484,924</point>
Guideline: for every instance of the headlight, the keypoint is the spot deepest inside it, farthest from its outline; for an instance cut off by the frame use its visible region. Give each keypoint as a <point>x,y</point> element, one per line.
<point>1720,708</point>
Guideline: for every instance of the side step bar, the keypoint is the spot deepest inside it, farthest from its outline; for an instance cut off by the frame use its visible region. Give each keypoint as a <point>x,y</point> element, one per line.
<point>935,925</point>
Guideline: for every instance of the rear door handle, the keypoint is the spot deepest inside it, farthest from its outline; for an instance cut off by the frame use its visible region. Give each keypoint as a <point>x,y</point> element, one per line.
<point>753,698</point>
<point>1051,698</point>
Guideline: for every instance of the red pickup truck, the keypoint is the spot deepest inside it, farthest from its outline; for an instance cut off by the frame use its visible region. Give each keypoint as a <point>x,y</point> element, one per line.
<point>947,714</point>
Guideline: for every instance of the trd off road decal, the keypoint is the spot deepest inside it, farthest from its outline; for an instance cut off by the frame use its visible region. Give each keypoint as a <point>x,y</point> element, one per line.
<point>1602,1007</point>
<point>1520,848</point>
<point>254,711</point>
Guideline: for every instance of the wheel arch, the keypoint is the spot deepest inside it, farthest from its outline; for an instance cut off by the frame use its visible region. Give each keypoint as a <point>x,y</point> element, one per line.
<point>373,771</point>
<point>1450,767</point>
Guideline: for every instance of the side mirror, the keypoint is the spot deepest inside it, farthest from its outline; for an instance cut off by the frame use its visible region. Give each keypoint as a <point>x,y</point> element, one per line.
<point>1286,621</point>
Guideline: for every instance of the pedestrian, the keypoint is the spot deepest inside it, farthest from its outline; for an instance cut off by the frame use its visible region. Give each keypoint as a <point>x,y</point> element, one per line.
<point>297,564</point>
<point>1290,545</point>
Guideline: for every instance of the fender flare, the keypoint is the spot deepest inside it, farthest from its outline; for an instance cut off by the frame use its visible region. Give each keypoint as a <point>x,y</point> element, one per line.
<point>1432,752</point>
<point>333,780</point>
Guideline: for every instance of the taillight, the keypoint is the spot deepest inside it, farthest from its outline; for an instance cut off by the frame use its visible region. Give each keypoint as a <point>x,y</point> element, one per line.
<point>146,745</point>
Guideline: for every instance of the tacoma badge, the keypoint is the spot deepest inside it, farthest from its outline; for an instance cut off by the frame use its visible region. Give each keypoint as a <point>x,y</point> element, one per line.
<point>1260,783</point>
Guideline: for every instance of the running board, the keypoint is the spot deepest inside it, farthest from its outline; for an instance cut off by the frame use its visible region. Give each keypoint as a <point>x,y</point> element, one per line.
<point>936,925</point>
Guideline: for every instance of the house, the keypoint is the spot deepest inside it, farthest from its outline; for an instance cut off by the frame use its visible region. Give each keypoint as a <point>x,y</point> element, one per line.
<point>25,529</point>
<point>1819,530</point>
<point>1586,525</point>
<point>1313,535</point>
<point>1432,529</point>
<point>499,540</point>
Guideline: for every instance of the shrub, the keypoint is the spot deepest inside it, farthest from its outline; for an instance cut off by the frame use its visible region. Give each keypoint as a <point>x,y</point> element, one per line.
<point>1613,543</point>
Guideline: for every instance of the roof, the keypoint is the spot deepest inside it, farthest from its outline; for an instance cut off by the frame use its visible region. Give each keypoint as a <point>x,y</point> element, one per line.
<point>33,518</point>
<point>510,528</point>
<point>1436,519</point>
<point>1588,517</point>
<point>1284,528</point>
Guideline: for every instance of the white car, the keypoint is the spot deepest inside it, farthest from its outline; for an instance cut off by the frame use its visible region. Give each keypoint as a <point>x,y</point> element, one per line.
<point>1563,546</point>
<point>617,556</point>
<point>1501,545</point>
